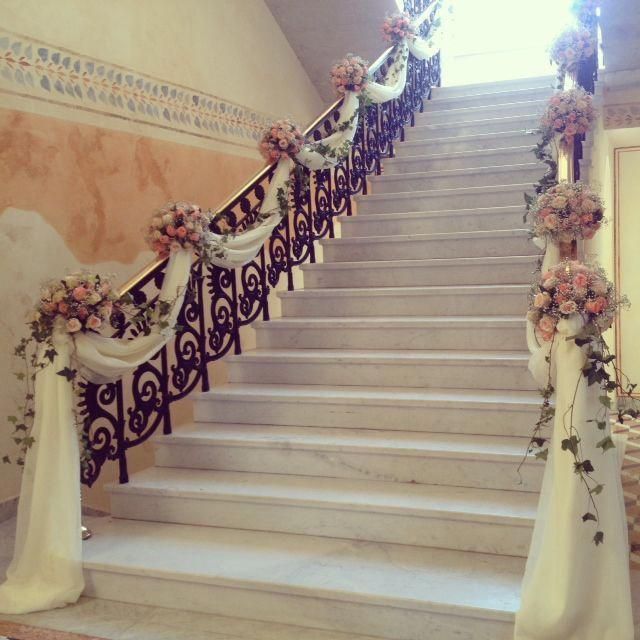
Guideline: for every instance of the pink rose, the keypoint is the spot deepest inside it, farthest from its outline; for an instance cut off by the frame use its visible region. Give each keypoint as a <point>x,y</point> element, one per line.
<point>181,232</point>
<point>580,280</point>
<point>93,322</point>
<point>194,237</point>
<point>551,221</point>
<point>171,230</point>
<point>73,325</point>
<point>564,288</point>
<point>63,308</point>
<point>83,312</point>
<point>80,293</point>
<point>568,307</point>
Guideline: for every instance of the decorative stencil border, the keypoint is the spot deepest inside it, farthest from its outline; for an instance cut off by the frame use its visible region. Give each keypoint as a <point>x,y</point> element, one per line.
<point>620,116</point>
<point>36,69</point>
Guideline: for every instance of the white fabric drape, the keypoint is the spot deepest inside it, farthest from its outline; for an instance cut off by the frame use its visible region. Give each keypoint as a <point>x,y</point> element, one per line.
<point>573,590</point>
<point>46,570</point>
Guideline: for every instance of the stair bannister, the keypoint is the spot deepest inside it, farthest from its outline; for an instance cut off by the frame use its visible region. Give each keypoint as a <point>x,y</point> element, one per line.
<point>119,416</point>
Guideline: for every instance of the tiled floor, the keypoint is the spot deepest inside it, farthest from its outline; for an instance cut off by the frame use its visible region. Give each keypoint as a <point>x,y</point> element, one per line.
<point>120,621</point>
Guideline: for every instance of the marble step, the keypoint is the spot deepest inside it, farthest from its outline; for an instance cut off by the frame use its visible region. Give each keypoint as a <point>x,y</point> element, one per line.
<point>455,178</point>
<point>525,122</point>
<point>409,273</point>
<point>453,369</point>
<point>503,413</point>
<point>497,333</point>
<point>480,461</point>
<point>388,591</point>
<point>475,141</point>
<point>464,244</point>
<point>421,222</point>
<point>438,113</point>
<point>440,199</point>
<point>501,96</point>
<point>466,519</point>
<point>472,300</point>
<point>482,88</point>
<point>459,160</point>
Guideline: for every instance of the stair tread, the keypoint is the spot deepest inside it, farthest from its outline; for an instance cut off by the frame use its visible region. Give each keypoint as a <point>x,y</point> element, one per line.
<point>527,117</point>
<point>387,497</point>
<point>398,356</point>
<point>467,138</point>
<point>407,291</point>
<point>518,187</point>
<point>408,321</point>
<point>443,173</point>
<point>369,395</point>
<point>426,262</point>
<point>346,570</point>
<point>408,215</point>
<point>461,154</point>
<point>379,441</point>
<point>540,102</point>
<point>425,237</point>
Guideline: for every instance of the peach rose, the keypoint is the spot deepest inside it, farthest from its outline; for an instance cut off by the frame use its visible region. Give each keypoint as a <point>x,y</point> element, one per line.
<point>93,322</point>
<point>80,293</point>
<point>73,325</point>
<point>170,230</point>
<point>181,232</point>
<point>542,300</point>
<point>83,312</point>
<point>63,307</point>
<point>568,307</point>
<point>580,280</point>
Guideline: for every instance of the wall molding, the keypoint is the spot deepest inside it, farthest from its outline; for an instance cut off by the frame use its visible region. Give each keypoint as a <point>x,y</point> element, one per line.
<point>36,69</point>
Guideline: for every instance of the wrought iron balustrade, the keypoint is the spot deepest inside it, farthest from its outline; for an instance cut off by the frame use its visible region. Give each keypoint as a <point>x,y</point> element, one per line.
<point>122,415</point>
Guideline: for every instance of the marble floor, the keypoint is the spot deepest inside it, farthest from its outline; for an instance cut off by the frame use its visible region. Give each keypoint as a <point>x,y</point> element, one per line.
<point>120,621</point>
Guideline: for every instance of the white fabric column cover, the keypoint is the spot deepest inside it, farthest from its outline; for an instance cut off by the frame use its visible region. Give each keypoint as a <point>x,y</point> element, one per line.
<point>573,590</point>
<point>46,570</point>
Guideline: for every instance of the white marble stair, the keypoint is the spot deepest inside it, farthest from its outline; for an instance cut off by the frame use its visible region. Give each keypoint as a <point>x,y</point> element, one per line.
<point>447,517</point>
<point>359,471</point>
<point>388,591</point>
<point>502,413</point>
<point>451,459</point>
<point>495,333</point>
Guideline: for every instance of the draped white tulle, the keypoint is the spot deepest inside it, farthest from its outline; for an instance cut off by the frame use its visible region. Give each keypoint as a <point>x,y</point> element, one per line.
<point>573,590</point>
<point>46,570</point>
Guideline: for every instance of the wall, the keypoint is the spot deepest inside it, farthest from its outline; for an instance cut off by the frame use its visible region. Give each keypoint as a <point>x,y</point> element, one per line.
<point>108,110</point>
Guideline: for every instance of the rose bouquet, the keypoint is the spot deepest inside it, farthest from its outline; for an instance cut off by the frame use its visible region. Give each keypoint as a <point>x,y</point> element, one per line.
<point>350,74</point>
<point>179,225</point>
<point>568,113</point>
<point>567,212</point>
<point>567,288</point>
<point>84,301</point>
<point>396,27</point>
<point>571,47</point>
<point>283,139</point>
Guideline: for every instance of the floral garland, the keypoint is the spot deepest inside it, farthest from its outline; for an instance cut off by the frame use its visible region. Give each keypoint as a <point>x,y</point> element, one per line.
<point>350,74</point>
<point>571,47</point>
<point>566,212</point>
<point>568,113</point>
<point>282,139</point>
<point>396,27</point>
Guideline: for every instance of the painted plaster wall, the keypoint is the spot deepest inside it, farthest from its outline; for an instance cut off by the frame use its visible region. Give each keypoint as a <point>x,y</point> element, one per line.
<point>108,110</point>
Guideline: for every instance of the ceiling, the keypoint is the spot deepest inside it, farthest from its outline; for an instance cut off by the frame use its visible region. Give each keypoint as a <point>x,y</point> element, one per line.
<point>323,31</point>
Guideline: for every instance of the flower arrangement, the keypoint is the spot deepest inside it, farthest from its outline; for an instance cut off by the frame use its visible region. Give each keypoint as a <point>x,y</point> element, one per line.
<point>572,287</point>
<point>571,47</point>
<point>283,139</point>
<point>83,301</point>
<point>396,27</point>
<point>568,113</point>
<point>179,225</point>
<point>567,211</point>
<point>350,74</point>
<point>585,10</point>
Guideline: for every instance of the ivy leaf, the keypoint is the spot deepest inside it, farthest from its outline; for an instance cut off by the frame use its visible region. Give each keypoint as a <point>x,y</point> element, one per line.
<point>589,516</point>
<point>570,444</point>
<point>606,444</point>
<point>19,375</point>
<point>601,424</point>
<point>583,467</point>
<point>68,374</point>
<point>12,419</point>
<point>6,460</point>
<point>50,354</point>
<point>605,401</point>
<point>598,538</point>
<point>597,490</point>
<point>542,455</point>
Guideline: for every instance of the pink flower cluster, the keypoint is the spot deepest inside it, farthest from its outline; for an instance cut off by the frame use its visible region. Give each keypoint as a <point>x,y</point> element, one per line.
<point>571,47</point>
<point>178,225</point>
<point>350,74</point>
<point>567,212</point>
<point>567,288</point>
<point>83,300</point>
<point>397,27</point>
<point>283,139</point>
<point>568,113</point>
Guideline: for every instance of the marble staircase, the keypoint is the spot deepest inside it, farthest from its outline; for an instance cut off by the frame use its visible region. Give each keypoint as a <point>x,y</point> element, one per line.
<point>358,473</point>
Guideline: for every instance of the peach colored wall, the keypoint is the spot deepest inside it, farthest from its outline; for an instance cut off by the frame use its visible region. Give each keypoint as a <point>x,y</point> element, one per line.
<point>108,110</point>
